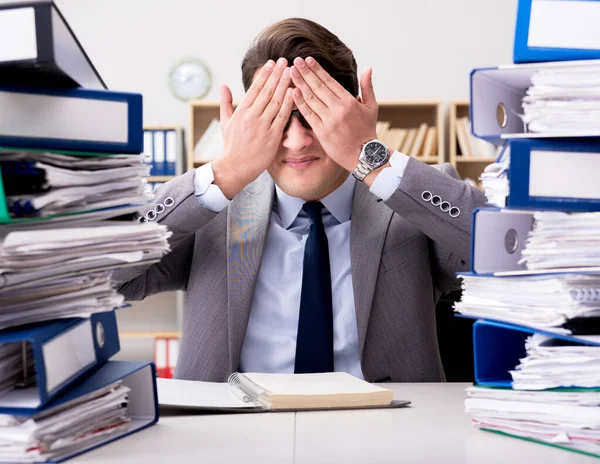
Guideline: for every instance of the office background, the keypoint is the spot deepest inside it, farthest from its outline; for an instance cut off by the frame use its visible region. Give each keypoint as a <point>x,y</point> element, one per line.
<point>419,49</point>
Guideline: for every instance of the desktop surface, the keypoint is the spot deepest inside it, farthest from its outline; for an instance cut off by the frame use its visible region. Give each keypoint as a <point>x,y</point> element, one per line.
<point>434,428</point>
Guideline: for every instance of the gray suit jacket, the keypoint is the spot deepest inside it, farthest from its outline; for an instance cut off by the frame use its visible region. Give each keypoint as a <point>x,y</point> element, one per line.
<point>404,255</point>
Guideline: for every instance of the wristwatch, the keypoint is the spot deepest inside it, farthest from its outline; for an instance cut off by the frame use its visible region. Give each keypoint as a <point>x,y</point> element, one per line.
<point>374,154</point>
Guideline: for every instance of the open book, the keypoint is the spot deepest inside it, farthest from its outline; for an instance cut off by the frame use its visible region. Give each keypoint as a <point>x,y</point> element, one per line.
<point>253,392</point>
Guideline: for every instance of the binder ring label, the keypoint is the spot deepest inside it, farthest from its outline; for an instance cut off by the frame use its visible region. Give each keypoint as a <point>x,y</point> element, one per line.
<point>511,241</point>
<point>100,334</point>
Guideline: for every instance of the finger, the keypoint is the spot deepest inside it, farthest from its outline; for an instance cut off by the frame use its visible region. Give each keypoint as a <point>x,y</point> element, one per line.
<point>268,90</point>
<point>285,111</point>
<point>318,86</point>
<point>333,85</point>
<point>313,118</point>
<point>276,102</point>
<point>366,87</point>
<point>226,109</point>
<point>257,84</point>
<point>308,96</point>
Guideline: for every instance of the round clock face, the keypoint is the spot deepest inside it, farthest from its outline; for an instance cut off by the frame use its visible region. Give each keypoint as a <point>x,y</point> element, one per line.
<point>375,153</point>
<point>189,80</point>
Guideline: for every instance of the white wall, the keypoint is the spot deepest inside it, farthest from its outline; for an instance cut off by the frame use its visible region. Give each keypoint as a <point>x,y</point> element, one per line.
<point>419,49</point>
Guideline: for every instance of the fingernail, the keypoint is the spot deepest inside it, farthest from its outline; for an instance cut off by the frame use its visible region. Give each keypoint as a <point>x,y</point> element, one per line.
<point>300,62</point>
<point>281,62</point>
<point>286,73</point>
<point>310,61</point>
<point>269,65</point>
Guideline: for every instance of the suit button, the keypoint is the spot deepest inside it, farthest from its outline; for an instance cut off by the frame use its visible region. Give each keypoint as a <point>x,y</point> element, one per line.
<point>454,212</point>
<point>169,202</point>
<point>436,200</point>
<point>445,206</point>
<point>160,208</point>
<point>151,215</point>
<point>426,195</point>
<point>142,219</point>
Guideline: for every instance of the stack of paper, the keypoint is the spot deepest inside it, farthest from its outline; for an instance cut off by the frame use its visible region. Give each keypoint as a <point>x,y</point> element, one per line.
<point>46,184</point>
<point>494,179</point>
<point>75,296</point>
<point>563,101</point>
<point>539,301</point>
<point>560,239</point>
<point>31,256</point>
<point>16,366</point>
<point>569,419</point>
<point>553,363</point>
<point>66,428</point>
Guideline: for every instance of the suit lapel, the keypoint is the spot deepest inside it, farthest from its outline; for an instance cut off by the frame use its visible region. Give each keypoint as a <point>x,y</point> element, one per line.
<point>247,224</point>
<point>370,220</point>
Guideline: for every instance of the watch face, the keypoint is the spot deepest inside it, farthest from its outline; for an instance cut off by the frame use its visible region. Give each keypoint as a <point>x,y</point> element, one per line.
<point>375,153</point>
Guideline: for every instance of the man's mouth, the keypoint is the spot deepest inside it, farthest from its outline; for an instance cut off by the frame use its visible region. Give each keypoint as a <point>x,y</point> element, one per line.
<point>300,162</point>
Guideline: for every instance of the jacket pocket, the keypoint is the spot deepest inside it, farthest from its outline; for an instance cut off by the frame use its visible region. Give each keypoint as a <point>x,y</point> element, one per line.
<point>404,252</point>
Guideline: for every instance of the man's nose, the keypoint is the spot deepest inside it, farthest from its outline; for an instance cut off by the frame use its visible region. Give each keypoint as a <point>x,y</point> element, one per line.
<point>297,137</point>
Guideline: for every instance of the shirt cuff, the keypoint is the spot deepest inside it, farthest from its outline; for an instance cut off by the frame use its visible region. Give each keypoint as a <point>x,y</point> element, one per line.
<point>209,195</point>
<point>388,180</point>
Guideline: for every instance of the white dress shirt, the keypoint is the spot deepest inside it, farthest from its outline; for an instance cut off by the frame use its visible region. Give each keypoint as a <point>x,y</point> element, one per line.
<point>270,343</point>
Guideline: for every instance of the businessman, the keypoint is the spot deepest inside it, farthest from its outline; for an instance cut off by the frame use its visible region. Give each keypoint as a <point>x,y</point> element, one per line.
<point>308,246</point>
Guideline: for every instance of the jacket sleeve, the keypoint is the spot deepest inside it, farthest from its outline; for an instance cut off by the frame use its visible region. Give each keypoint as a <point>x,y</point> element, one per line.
<point>177,207</point>
<point>436,201</point>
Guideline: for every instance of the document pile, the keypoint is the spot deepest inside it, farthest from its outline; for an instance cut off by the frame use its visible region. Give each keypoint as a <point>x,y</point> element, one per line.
<point>73,425</point>
<point>534,284</point>
<point>563,240</point>
<point>71,182</point>
<point>554,302</point>
<point>563,101</point>
<point>47,184</point>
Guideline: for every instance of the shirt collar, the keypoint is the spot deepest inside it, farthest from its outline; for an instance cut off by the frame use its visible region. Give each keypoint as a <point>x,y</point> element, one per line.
<point>338,203</point>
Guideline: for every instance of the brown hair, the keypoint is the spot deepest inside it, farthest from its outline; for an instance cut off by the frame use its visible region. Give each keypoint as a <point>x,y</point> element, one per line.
<point>298,37</point>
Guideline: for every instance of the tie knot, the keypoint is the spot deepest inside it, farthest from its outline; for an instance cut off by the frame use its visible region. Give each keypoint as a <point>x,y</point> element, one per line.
<point>313,210</point>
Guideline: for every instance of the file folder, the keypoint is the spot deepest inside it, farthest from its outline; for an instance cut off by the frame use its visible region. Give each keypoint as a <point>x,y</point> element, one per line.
<point>557,30</point>
<point>63,351</point>
<point>40,49</point>
<point>498,348</point>
<point>142,406</point>
<point>554,174</point>
<point>496,100</point>
<point>498,239</point>
<point>71,119</point>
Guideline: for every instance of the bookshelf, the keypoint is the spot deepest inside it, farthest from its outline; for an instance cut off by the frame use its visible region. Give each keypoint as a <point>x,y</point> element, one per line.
<point>467,166</point>
<point>400,114</point>
<point>410,115</point>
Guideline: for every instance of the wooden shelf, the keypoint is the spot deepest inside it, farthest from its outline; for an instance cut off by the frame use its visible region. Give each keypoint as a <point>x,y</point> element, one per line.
<point>134,335</point>
<point>471,167</point>
<point>474,160</point>
<point>159,178</point>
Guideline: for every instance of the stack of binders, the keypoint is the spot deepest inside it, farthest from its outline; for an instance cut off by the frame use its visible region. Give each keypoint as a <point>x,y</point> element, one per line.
<point>534,284</point>
<point>71,184</point>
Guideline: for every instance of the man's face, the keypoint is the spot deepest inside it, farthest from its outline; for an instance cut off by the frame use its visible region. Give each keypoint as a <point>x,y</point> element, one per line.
<point>301,167</point>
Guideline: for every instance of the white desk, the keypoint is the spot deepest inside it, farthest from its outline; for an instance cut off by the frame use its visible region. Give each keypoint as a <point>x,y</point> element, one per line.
<point>434,429</point>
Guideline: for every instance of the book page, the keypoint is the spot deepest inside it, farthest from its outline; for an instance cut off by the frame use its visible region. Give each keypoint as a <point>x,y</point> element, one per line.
<point>189,394</point>
<point>330,383</point>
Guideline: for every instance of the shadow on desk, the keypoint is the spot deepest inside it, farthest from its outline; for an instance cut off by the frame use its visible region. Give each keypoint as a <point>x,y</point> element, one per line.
<point>455,338</point>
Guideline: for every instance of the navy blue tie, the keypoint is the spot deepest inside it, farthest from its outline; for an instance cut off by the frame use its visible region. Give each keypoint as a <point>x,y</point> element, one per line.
<point>314,344</point>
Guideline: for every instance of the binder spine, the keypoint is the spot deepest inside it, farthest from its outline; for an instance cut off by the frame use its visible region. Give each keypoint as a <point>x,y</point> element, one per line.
<point>246,390</point>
